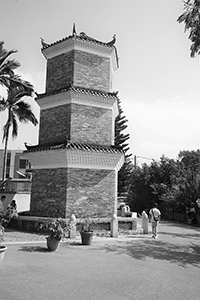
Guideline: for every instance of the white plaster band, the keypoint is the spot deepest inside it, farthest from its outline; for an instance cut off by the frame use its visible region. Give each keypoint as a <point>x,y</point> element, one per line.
<point>67,158</point>
<point>71,96</point>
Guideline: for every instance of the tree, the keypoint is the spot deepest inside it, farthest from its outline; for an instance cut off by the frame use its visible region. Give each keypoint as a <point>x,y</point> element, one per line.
<point>191,18</point>
<point>7,67</point>
<point>124,175</point>
<point>189,165</point>
<point>16,90</point>
<point>140,194</point>
<point>17,109</point>
<point>173,184</point>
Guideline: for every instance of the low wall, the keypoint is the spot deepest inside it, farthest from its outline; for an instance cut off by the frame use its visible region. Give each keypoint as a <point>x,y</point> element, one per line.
<point>31,224</point>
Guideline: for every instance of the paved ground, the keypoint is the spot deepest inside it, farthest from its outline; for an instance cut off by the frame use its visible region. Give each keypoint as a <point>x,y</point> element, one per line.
<point>134,267</point>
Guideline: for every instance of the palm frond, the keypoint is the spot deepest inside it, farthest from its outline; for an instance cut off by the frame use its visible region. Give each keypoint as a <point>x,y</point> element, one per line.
<point>15,93</point>
<point>21,85</point>
<point>4,53</point>
<point>2,104</point>
<point>24,113</point>
<point>9,65</point>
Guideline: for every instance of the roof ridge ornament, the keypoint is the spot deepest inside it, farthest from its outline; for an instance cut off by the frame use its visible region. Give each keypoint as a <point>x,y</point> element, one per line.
<point>113,41</point>
<point>84,35</point>
<point>87,37</point>
<point>44,44</point>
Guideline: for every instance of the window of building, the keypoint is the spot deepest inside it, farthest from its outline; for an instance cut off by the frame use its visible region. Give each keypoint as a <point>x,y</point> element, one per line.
<point>8,160</point>
<point>22,163</point>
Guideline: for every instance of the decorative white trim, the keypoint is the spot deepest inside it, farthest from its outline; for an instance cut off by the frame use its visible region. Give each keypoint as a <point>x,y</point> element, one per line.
<point>76,44</point>
<point>68,158</point>
<point>68,97</point>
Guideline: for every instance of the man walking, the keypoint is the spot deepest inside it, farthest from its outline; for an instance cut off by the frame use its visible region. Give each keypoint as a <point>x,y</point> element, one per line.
<point>154,218</point>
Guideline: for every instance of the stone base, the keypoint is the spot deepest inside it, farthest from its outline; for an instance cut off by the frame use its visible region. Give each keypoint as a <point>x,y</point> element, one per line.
<point>31,224</point>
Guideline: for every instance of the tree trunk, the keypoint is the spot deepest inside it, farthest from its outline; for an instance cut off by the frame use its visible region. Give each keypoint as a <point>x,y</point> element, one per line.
<point>5,158</point>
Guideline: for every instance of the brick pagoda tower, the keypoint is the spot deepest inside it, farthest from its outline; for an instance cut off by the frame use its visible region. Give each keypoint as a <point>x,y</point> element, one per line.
<point>75,163</point>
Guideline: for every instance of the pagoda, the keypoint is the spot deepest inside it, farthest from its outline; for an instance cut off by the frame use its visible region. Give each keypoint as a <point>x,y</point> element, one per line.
<point>75,164</point>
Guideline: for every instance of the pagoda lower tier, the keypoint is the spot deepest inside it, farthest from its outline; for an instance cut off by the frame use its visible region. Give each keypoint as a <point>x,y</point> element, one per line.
<point>72,178</point>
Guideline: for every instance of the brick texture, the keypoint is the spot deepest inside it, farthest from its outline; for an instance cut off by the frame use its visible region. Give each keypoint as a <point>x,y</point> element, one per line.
<point>91,125</point>
<point>48,195</point>
<point>60,71</point>
<point>80,123</point>
<point>91,71</point>
<point>84,192</point>
<point>90,193</point>
<point>55,124</point>
<point>79,68</point>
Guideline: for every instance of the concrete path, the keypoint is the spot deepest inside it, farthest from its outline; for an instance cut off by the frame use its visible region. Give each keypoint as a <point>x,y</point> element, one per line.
<point>130,267</point>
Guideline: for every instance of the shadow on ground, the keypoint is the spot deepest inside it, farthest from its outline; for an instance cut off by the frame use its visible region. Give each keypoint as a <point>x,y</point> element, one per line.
<point>33,249</point>
<point>195,236</point>
<point>181,225</point>
<point>141,250</point>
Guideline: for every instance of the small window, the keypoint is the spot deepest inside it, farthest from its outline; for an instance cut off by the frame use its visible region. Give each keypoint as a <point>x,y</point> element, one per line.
<point>8,162</point>
<point>22,163</point>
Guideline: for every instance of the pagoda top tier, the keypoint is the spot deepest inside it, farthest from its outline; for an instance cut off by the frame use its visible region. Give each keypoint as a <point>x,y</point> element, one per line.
<point>80,41</point>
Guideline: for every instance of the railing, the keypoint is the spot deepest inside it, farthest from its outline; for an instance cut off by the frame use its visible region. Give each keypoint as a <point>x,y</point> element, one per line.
<point>18,186</point>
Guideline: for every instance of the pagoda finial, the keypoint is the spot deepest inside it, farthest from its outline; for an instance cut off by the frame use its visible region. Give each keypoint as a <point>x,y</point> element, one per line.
<point>74,30</point>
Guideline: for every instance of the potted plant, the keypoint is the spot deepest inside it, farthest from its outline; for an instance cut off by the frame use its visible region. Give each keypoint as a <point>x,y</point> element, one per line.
<point>57,229</point>
<point>86,231</point>
<point>3,248</point>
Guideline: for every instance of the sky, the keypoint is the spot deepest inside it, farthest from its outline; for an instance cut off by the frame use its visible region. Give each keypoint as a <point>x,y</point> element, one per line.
<point>158,82</point>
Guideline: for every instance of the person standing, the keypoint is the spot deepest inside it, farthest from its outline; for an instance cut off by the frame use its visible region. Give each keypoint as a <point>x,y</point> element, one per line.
<point>154,218</point>
<point>12,210</point>
<point>3,197</point>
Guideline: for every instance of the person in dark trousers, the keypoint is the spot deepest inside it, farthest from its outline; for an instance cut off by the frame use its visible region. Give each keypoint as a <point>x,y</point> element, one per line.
<point>154,218</point>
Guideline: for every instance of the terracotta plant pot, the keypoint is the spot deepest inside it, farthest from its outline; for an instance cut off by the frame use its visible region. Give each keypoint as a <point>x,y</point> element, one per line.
<point>52,244</point>
<point>3,249</point>
<point>86,237</point>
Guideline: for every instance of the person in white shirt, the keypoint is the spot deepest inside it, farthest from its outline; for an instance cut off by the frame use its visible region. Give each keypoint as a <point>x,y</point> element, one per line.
<point>154,218</point>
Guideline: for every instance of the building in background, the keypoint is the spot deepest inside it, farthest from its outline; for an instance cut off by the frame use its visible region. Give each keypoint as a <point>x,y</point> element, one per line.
<point>17,172</point>
<point>16,165</point>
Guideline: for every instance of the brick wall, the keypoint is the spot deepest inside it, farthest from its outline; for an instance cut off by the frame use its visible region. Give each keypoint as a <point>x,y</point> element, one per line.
<point>80,68</point>
<point>48,195</point>
<point>60,71</point>
<point>91,71</point>
<point>84,192</point>
<point>81,123</point>
<point>90,193</point>
<point>55,124</point>
<point>91,125</point>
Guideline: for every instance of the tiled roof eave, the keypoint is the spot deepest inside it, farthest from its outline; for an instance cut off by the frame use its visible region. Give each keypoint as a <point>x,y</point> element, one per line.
<point>79,90</point>
<point>80,38</point>
<point>74,146</point>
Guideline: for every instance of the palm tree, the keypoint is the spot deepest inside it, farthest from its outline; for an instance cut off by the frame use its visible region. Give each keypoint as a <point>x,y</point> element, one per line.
<point>16,89</point>
<point>7,67</point>
<point>17,109</point>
